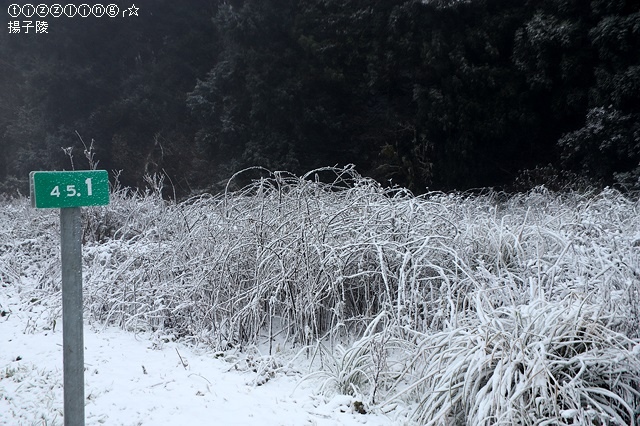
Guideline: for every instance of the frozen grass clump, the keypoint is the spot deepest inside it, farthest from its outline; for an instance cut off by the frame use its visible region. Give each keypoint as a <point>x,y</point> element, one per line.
<point>29,250</point>
<point>540,363</point>
<point>366,369</point>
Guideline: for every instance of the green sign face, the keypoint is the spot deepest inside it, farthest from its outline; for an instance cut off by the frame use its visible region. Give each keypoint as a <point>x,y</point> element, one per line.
<point>69,189</point>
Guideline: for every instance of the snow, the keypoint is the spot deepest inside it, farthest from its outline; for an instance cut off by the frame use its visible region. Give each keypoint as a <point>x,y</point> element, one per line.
<point>138,380</point>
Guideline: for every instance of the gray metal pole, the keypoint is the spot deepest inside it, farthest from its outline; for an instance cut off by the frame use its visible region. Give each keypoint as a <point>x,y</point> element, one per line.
<point>72,336</point>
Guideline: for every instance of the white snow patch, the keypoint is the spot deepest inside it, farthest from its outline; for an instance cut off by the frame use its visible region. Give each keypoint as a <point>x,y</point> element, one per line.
<point>131,381</point>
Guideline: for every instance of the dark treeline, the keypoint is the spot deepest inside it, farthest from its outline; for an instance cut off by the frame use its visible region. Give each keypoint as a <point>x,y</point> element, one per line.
<point>437,94</point>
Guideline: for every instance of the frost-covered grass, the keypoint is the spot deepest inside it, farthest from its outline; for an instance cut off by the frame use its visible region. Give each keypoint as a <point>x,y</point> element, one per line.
<point>482,309</point>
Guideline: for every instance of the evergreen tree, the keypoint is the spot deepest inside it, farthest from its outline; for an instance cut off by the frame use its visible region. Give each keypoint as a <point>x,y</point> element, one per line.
<point>441,94</point>
<point>607,147</point>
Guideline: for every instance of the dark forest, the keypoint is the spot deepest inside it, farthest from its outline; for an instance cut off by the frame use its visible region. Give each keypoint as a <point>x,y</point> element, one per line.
<point>435,95</point>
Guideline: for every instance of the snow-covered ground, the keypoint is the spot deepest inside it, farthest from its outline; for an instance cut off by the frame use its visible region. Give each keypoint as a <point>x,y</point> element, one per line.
<point>140,380</point>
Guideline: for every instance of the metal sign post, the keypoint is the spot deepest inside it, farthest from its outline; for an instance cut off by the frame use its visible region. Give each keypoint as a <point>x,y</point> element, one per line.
<point>72,336</point>
<point>69,191</point>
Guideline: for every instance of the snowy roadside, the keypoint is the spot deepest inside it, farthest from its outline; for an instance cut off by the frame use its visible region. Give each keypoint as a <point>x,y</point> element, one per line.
<point>131,380</point>
<point>441,309</point>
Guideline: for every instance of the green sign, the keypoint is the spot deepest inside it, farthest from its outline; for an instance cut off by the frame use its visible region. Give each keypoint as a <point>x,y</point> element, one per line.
<point>69,189</point>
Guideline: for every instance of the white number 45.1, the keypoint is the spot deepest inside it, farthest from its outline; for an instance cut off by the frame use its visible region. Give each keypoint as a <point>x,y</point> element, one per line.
<point>71,190</point>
